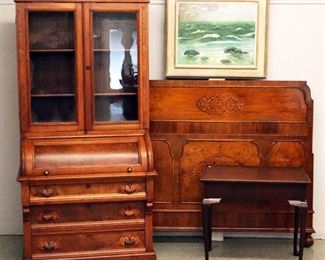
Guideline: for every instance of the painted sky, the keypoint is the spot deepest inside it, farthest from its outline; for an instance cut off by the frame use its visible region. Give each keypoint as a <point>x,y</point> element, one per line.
<point>222,11</point>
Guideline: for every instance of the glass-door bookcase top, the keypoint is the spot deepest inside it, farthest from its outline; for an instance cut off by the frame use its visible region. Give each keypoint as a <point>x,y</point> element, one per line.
<point>115,59</point>
<point>52,66</point>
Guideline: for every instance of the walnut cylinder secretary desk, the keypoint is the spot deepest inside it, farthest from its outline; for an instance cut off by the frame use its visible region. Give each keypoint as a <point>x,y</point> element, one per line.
<point>86,159</point>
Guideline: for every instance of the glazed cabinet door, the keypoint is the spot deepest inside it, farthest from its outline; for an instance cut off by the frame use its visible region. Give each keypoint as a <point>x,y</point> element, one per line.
<point>115,55</point>
<point>50,68</point>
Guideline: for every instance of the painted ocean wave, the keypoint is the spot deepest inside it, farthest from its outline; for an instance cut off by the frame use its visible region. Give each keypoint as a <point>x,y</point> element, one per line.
<point>211,43</point>
<point>196,30</point>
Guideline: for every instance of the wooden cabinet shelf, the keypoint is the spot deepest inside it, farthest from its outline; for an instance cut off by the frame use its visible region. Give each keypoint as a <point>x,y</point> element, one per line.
<point>51,50</point>
<point>53,95</point>
<point>113,50</point>
<point>114,94</point>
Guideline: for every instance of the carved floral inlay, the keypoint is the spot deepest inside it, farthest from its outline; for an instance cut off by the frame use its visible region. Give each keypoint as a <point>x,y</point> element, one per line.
<point>47,192</point>
<point>220,104</point>
<point>129,212</point>
<point>129,240</point>
<point>129,189</point>
<point>49,217</point>
<point>49,246</point>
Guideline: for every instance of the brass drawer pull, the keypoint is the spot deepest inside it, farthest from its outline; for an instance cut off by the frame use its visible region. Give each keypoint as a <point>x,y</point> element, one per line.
<point>129,169</point>
<point>47,192</point>
<point>46,173</point>
<point>129,212</point>
<point>129,189</point>
<point>50,246</point>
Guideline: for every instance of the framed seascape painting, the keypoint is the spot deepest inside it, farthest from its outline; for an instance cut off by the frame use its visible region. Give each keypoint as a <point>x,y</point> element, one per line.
<point>211,39</point>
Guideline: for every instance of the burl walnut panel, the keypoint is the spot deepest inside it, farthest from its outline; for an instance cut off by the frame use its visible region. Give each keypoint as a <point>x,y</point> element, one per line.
<point>287,154</point>
<point>239,123</point>
<point>197,154</point>
<point>85,155</point>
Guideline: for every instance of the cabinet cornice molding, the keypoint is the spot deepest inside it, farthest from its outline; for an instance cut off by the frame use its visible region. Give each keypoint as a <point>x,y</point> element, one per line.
<point>272,2</point>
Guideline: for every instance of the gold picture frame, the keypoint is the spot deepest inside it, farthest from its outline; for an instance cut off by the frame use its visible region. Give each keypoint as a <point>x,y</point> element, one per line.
<point>216,38</point>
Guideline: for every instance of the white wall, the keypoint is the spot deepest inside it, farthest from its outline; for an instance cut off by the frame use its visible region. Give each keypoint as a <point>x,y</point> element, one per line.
<point>296,52</point>
<point>10,213</point>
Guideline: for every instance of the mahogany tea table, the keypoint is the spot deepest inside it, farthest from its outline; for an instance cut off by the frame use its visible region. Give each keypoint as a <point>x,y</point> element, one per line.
<point>248,185</point>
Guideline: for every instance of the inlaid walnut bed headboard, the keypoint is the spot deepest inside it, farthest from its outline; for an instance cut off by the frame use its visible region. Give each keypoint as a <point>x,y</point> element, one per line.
<point>254,123</point>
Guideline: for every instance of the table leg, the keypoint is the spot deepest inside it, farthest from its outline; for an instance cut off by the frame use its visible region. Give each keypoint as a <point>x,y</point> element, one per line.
<point>301,209</point>
<point>206,218</point>
<point>303,220</point>
<point>207,223</point>
<point>295,232</point>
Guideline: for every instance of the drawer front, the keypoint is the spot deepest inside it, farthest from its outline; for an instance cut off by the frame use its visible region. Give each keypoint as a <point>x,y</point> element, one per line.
<point>88,192</point>
<point>116,241</point>
<point>50,214</point>
<point>85,155</point>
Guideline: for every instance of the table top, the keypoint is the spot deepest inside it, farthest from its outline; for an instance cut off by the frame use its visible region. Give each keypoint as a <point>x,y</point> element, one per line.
<point>247,174</point>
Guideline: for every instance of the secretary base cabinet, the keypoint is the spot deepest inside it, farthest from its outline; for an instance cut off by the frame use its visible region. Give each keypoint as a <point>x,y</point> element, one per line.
<point>86,159</point>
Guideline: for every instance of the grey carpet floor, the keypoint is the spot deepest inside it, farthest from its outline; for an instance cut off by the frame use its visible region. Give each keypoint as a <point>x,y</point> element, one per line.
<point>178,248</point>
<point>191,248</point>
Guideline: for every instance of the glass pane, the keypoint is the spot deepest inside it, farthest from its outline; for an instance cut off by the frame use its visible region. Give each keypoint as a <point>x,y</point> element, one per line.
<point>115,66</point>
<point>51,30</point>
<point>53,109</point>
<point>115,108</point>
<point>115,72</point>
<point>110,28</point>
<point>52,66</point>
<point>52,73</point>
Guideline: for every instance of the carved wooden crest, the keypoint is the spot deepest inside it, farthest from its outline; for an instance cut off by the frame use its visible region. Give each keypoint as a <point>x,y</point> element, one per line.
<point>220,104</point>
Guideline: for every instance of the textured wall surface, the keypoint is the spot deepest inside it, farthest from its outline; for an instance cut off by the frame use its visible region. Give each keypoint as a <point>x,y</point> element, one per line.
<point>296,51</point>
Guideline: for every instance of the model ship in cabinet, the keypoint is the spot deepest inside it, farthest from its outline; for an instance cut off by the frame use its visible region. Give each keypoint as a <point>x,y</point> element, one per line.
<point>86,159</point>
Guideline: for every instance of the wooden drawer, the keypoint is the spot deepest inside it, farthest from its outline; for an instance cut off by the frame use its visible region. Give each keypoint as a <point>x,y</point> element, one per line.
<point>51,214</point>
<point>57,246</point>
<point>58,156</point>
<point>87,193</point>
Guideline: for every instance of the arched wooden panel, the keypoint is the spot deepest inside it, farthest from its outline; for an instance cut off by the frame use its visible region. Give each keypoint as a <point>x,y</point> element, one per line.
<point>198,154</point>
<point>287,153</point>
<point>163,186</point>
